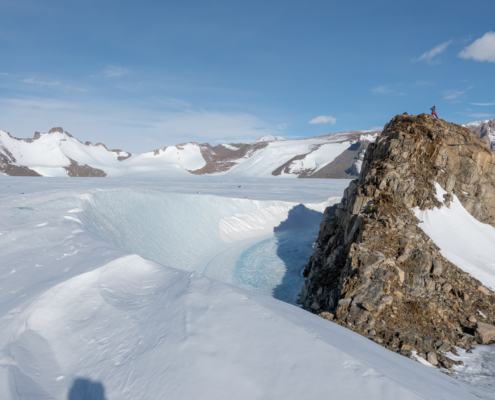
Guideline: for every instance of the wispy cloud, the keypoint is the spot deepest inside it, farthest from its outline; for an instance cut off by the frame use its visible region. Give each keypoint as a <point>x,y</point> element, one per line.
<point>4,74</point>
<point>76,89</point>
<point>431,56</point>
<point>389,89</point>
<point>480,115</point>
<point>383,89</point>
<point>41,83</point>
<point>171,102</point>
<point>453,94</point>
<point>424,83</point>
<point>113,72</point>
<point>40,104</point>
<point>482,49</point>
<point>323,119</point>
<point>54,84</point>
<point>483,104</point>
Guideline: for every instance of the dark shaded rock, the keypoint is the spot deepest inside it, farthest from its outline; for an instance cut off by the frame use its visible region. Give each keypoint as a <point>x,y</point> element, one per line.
<point>78,170</point>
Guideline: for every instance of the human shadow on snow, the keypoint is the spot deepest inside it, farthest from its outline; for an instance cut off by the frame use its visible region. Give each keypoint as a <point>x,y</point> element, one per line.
<point>86,389</point>
<point>295,238</point>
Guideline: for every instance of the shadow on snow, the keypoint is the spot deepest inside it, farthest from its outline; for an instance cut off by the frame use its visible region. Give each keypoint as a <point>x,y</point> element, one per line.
<point>86,389</point>
<point>295,238</point>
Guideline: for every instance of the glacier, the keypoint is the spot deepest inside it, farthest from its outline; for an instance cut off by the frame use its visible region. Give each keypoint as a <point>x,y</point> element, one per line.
<point>146,289</point>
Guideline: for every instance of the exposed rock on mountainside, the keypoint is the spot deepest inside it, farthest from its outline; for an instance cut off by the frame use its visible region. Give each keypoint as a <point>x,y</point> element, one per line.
<point>375,271</point>
<point>345,166</point>
<point>348,164</point>
<point>8,161</point>
<point>77,170</point>
<point>221,158</point>
<point>484,130</point>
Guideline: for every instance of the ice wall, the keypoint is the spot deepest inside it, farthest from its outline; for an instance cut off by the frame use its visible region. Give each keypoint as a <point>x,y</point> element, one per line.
<point>258,245</point>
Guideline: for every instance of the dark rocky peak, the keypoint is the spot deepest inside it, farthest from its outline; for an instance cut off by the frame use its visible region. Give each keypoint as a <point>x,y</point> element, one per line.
<point>375,271</point>
<point>55,130</point>
<point>102,145</point>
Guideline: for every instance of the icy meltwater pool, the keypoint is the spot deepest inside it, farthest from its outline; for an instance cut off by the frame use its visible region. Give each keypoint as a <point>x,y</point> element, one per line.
<point>258,245</point>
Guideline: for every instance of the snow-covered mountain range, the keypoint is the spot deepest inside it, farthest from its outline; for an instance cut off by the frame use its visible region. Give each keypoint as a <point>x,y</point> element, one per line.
<point>57,153</point>
<point>484,130</point>
<point>339,155</point>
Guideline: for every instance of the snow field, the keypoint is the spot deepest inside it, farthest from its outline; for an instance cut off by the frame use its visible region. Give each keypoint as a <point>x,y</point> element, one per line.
<point>76,302</point>
<point>146,331</point>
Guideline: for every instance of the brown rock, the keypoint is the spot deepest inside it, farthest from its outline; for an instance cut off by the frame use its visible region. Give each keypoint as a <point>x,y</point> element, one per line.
<point>437,268</point>
<point>485,333</point>
<point>326,315</point>
<point>483,290</point>
<point>372,259</point>
<point>431,357</point>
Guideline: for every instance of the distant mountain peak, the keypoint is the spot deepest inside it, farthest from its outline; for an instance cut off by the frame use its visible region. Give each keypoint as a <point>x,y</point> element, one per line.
<point>270,138</point>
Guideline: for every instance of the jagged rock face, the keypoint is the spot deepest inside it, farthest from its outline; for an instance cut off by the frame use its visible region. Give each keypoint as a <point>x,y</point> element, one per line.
<point>375,271</point>
<point>484,130</point>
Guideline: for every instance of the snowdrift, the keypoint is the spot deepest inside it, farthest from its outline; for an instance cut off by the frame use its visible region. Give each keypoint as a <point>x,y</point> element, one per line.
<point>135,329</point>
<point>463,240</point>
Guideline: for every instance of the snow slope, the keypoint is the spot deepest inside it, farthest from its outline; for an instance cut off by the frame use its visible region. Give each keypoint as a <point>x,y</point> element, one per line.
<point>79,314</point>
<point>315,154</point>
<point>469,244</point>
<point>51,152</point>
<point>463,240</point>
<point>145,331</point>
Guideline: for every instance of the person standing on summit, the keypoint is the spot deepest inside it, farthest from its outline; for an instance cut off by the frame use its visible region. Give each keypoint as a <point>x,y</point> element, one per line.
<point>434,112</point>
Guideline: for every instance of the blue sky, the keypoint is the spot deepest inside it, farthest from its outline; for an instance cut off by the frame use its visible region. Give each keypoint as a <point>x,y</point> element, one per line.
<point>139,75</point>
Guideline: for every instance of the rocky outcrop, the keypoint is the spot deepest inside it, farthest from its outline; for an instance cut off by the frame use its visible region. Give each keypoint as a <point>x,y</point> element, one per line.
<point>375,271</point>
<point>221,158</point>
<point>77,170</point>
<point>7,166</point>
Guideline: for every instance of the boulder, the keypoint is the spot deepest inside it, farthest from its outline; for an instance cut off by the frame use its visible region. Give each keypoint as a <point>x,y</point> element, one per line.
<point>484,333</point>
<point>431,357</point>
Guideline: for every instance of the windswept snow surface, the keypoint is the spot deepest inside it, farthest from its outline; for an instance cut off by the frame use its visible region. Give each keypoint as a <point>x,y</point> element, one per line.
<point>81,312</point>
